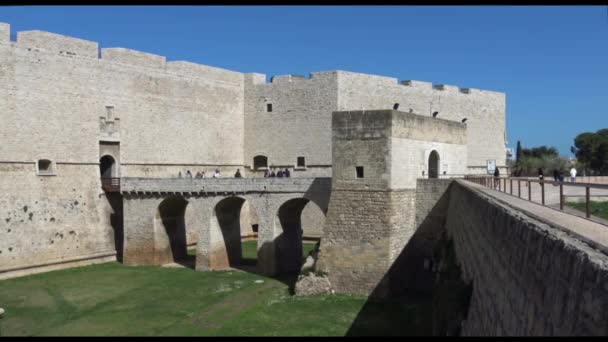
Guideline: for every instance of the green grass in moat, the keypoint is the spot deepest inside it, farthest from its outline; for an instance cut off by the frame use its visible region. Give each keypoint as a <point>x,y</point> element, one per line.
<point>114,300</point>
<point>599,209</point>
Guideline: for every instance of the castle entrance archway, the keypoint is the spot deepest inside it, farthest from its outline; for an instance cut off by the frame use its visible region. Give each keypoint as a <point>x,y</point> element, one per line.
<point>434,164</point>
<point>107,167</point>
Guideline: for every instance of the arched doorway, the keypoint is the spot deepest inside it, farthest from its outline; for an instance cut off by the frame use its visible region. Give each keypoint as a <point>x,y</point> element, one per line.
<point>171,228</point>
<point>434,164</point>
<point>107,167</point>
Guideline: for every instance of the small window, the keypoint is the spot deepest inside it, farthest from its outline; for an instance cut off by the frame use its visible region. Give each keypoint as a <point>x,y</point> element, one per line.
<point>45,166</point>
<point>269,107</point>
<point>396,106</point>
<point>359,171</point>
<point>301,162</point>
<point>260,162</point>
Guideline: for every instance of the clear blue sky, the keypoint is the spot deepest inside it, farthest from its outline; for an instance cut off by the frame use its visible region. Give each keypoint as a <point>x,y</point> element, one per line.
<point>552,62</point>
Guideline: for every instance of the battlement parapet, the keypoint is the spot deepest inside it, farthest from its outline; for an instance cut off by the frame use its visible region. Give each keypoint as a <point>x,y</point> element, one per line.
<point>56,43</point>
<point>417,84</point>
<point>282,79</point>
<point>185,68</point>
<point>5,33</point>
<point>285,79</point>
<point>255,78</point>
<point>133,57</point>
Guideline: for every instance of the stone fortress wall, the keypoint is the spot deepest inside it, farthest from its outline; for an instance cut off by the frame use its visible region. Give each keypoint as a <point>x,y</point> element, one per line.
<point>57,95</point>
<point>372,214</point>
<point>68,101</point>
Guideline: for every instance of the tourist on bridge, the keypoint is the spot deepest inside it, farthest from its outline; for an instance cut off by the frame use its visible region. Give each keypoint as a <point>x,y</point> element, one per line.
<point>286,173</point>
<point>496,177</point>
<point>573,175</point>
<point>272,174</point>
<point>540,173</point>
<point>203,175</point>
<point>188,174</point>
<point>556,177</point>
<point>238,173</point>
<point>198,175</point>
<point>280,173</point>
<point>266,174</point>
<point>217,174</point>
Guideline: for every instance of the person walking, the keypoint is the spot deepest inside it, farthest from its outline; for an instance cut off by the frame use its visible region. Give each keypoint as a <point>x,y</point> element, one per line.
<point>188,174</point>
<point>573,175</point>
<point>540,174</point>
<point>496,178</point>
<point>286,173</point>
<point>555,177</point>
<point>280,173</point>
<point>217,174</point>
<point>272,174</point>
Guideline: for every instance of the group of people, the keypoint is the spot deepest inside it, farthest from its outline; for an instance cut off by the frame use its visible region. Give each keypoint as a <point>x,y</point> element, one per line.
<point>268,173</point>
<point>280,173</point>
<point>557,176</point>
<point>201,174</point>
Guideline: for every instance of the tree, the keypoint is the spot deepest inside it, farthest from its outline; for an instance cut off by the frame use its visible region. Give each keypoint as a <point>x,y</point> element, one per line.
<point>518,151</point>
<point>591,150</point>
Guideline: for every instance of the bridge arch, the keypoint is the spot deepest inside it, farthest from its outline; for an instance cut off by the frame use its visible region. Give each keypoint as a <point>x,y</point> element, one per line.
<point>227,226</point>
<point>170,228</point>
<point>290,236</point>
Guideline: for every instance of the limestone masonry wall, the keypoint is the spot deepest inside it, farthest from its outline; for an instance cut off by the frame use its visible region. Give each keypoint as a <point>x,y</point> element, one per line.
<point>52,219</point>
<point>66,100</point>
<point>299,124</point>
<point>485,110</point>
<point>528,278</point>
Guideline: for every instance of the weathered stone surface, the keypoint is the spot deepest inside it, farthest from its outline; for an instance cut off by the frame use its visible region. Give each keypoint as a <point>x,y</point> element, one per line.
<point>311,284</point>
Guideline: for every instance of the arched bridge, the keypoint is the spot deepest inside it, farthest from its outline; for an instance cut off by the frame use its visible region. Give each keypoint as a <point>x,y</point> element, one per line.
<point>157,213</point>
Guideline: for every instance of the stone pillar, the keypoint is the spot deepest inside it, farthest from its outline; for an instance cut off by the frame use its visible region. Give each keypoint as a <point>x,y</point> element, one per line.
<point>268,230</point>
<point>355,248</point>
<point>139,245</point>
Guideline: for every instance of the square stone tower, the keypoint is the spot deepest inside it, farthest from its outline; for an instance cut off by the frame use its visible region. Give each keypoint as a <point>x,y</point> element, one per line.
<point>377,157</point>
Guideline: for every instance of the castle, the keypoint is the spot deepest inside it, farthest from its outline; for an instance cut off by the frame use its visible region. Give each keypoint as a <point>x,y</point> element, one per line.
<point>73,113</point>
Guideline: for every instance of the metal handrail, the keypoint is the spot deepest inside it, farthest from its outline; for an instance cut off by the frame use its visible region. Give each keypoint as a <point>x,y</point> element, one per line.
<point>500,184</point>
<point>110,184</point>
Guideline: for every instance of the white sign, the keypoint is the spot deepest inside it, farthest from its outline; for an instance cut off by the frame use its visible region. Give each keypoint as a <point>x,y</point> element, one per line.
<point>491,166</point>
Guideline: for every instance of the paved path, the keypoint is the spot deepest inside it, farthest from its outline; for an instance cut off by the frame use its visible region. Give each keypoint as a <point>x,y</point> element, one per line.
<point>594,233</point>
<point>573,194</point>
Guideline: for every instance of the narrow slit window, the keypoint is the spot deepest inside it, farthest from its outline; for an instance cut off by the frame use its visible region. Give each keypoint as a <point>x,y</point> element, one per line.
<point>269,107</point>
<point>359,171</point>
<point>396,106</point>
<point>301,162</point>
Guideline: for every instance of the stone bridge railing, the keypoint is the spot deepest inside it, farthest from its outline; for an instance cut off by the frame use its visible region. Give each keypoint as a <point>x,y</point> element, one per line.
<point>223,185</point>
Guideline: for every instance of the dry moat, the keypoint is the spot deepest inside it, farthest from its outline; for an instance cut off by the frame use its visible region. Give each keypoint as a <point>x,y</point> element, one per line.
<point>112,299</point>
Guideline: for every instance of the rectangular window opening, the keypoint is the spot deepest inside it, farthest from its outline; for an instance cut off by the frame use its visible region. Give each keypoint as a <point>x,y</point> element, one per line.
<point>359,171</point>
<point>301,162</point>
<point>269,107</point>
